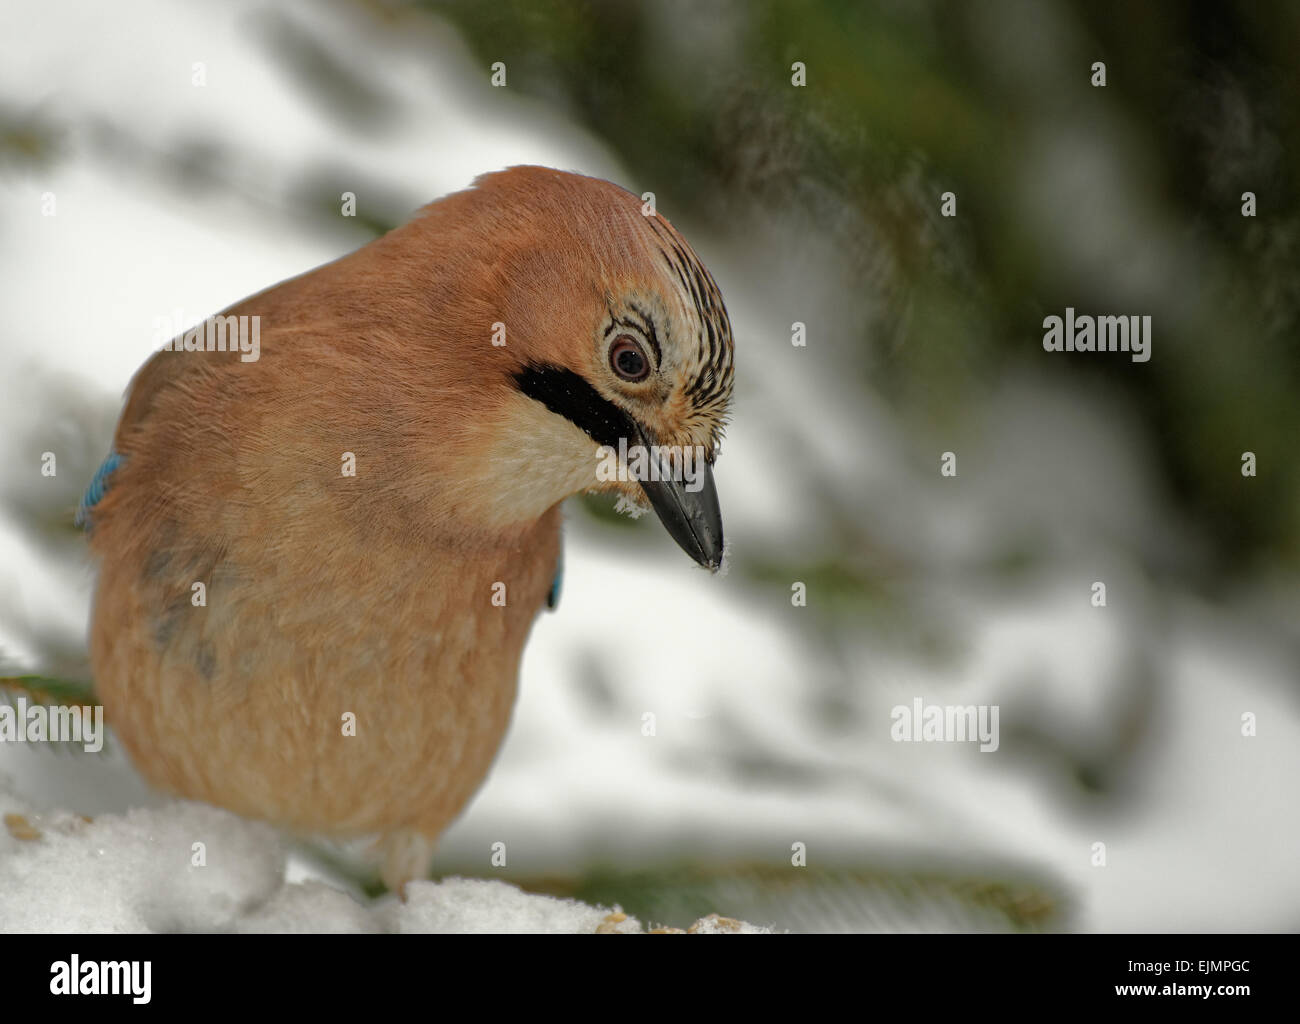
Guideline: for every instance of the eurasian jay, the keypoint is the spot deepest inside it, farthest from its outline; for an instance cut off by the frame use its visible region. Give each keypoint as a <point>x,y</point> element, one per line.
<point>348,665</point>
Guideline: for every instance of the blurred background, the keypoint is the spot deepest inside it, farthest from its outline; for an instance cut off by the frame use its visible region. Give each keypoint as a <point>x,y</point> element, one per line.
<point>196,152</point>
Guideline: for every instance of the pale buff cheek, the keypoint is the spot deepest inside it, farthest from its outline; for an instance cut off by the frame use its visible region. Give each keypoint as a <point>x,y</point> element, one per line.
<point>536,460</point>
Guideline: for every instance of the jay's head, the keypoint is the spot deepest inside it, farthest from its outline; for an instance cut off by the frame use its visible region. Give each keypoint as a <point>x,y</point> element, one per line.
<point>599,344</point>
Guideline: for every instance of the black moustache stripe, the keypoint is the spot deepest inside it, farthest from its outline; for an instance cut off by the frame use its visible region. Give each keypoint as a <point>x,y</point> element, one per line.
<point>567,394</point>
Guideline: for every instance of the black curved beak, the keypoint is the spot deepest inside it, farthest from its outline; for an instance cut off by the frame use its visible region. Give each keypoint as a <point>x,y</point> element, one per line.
<point>691,516</point>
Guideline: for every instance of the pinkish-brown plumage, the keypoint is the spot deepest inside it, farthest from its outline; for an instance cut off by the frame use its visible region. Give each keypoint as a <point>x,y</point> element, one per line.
<point>372,594</point>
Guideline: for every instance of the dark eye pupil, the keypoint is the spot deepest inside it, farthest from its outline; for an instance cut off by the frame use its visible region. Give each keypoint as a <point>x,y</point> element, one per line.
<point>630,363</point>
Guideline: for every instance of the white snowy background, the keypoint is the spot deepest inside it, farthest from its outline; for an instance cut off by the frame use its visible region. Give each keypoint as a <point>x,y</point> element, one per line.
<point>1205,839</point>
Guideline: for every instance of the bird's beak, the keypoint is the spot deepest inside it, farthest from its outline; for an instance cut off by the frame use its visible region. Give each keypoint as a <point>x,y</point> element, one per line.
<point>691,517</point>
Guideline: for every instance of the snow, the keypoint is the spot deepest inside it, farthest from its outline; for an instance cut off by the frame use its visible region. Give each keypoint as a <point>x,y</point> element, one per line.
<point>134,872</point>
<point>187,867</point>
<point>480,906</point>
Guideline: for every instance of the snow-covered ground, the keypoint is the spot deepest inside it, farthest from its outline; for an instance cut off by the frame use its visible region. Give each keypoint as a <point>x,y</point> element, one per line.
<point>186,867</point>
<point>1206,838</point>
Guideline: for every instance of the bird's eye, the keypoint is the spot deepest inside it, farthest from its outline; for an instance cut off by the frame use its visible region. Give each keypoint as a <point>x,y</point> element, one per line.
<point>628,360</point>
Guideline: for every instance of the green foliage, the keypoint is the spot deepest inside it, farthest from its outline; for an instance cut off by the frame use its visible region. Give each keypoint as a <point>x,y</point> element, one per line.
<point>45,690</point>
<point>821,899</point>
<point>904,102</point>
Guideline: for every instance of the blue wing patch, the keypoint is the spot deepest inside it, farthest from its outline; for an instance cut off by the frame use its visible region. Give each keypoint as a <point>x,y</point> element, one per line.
<point>553,597</point>
<point>98,486</point>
